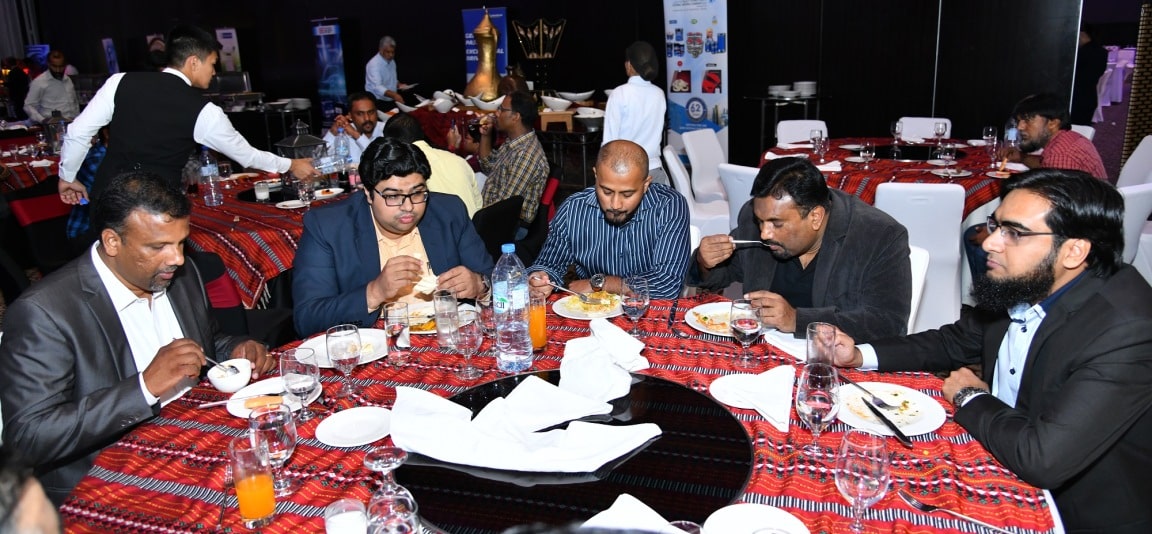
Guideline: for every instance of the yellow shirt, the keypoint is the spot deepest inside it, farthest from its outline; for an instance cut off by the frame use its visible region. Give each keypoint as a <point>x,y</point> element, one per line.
<point>408,245</point>
<point>452,175</point>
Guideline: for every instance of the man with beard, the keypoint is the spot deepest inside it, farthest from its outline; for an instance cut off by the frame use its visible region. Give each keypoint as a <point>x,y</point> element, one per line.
<point>101,344</point>
<point>365,251</point>
<point>624,226</point>
<point>824,256</point>
<point>1043,123</point>
<point>362,125</point>
<point>52,91</point>
<point>1064,342</point>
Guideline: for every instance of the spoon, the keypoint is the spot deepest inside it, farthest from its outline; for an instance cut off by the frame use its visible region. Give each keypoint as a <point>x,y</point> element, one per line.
<point>231,370</point>
<point>747,242</point>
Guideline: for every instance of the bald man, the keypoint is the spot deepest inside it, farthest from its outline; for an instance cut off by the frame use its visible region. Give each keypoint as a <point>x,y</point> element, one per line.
<point>625,225</point>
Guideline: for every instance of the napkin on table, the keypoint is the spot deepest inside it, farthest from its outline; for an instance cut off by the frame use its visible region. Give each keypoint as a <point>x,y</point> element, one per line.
<point>793,146</point>
<point>629,513</point>
<point>911,139</point>
<point>41,163</point>
<point>771,394</point>
<point>831,166</point>
<point>788,343</point>
<point>1013,166</point>
<point>598,366</point>
<point>769,156</point>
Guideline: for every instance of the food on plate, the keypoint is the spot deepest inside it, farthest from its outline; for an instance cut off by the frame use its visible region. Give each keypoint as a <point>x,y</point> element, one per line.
<point>610,300</point>
<point>366,348</point>
<point>325,191</point>
<point>1000,174</point>
<point>264,400</point>
<point>905,413</point>
<point>421,322</point>
<point>714,322</point>
<point>427,284</point>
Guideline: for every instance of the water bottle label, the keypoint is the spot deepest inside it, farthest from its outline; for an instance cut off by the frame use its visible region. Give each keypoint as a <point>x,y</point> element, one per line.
<point>500,297</point>
<point>520,298</point>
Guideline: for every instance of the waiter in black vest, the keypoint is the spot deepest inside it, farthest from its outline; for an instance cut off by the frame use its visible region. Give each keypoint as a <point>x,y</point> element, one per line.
<point>158,118</point>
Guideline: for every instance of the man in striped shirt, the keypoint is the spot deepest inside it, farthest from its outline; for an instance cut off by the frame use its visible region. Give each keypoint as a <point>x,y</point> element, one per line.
<point>625,225</point>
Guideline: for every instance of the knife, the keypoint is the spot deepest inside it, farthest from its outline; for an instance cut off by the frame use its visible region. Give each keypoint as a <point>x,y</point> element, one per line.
<point>672,312</point>
<point>246,397</point>
<point>903,439</point>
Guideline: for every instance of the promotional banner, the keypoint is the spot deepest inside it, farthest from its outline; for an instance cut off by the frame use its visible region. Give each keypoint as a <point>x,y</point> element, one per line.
<point>696,45</point>
<point>472,18</point>
<point>110,60</point>
<point>329,67</point>
<point>229,50</point>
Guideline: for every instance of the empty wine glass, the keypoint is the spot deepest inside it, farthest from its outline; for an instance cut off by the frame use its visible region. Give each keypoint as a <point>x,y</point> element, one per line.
<point>862,473</point>
<point>274,426</point>
<point>343,344</point>
<point>469,337</point>
<point>487,316</point>
<point>305,193</point>
<point>394,515</point>
<point>224,170</point>
<point>384,460</point>
<point>820,147</point>
<point>896,128</point>
<point>948,155</point>
<point>939,128</point>
<point>635,300</point>
<point>816,401</point>
<point>745,325</point>
<point>395,325</point>
<point>990,134</point>
<point>993,148</point>
<point>813,135</point>
<point>301,375</point>
<point>867,152</point>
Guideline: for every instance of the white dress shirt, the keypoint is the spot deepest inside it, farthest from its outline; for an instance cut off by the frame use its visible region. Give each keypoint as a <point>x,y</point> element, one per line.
<point>147,325</point>
<point>46,94</point>
<point>355,146</point>
<point>635,112</point>
<point>213,129</point>
<point>380,76</point>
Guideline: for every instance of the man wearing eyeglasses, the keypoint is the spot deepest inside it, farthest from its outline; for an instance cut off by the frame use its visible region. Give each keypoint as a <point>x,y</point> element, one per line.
<point>1063,335</point>
<point>361,253</point>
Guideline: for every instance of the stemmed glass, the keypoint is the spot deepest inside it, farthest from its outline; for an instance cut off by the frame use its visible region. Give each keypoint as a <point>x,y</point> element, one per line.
<point>395,324</point>
<point>384,460</point>
<point>862,472</point>
<point>635,301</point>
<point>940,128</point>
<point>820,147</point>
<point>343,343</point>
<point>813,135</point>
<point>487,317</point>
<point>867,152</point>
<point>224,171</point>
<point>896,128</point>
<point>993,149</point>
<point>274,426</point>
<point>395,515</point>
<point>301,375</point>
<point>745,325</point>
<point>816,400</point>
<point>990,134</point>
<point>469,337</point>
<point>305,193</point>
<point>948,155</point>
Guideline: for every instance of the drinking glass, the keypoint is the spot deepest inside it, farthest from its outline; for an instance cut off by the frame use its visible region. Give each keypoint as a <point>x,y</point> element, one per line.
<point>948,155</point>
<point>224,170</point>
<point>820,340</point>
<point>487,316</point>
<point>305,193</point>
<point>343,344</point>
<point>396,515</point>
<point>384,460</point>
<point>816,401</point>
<point>813,135</point>
<point>939,129</point>
<point>538,323</point>
<point>396,325</point>
<point>862,472</point>
<point>635,301</point>
<point>274,426</point>
<point>896,128</point>
<point>469,337</point>
<point>262,191</point>
<point>867,152</point>
<point>990,134</point>
<point>745,324</point>
<point>820,148</point>
<point>993,149</point>
<point>444,302</point>
<point>346,516</point>
<point>252,477</point>
<point>301,374</point>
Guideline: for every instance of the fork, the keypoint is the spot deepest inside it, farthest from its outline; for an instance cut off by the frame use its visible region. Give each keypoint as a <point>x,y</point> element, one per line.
<point>583,298</point>
<point>875,400</point>
<point>928,508</point>
<point>228,481</point>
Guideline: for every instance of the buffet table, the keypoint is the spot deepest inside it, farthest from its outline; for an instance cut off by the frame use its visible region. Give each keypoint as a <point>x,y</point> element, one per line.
<point>167,475</point>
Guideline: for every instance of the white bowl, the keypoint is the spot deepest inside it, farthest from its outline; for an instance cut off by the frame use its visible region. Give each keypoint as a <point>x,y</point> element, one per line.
<point>608,93</point>
<point>557,104</point>
<point>446,94</point>
<point>443,105</point>
<point>487,106</point>
<point>576,97</point>
<point>227,383</point>
<point>789,94</point>
<point>591,123</point>
<point>589,112</point>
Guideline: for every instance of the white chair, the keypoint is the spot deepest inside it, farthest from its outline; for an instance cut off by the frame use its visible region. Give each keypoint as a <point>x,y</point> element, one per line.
<point>920,261</point>
<point>923,127</point>
<point>710,217</point>
<point>793,131</point>
<point>932,213</point>
<point>737,180</point>
<point>722,137</point>
<point>1102,99</point>
<point>1139,164</point>
<point>1137,207</point>
<point>705,156</point>
<point>1086,131</point>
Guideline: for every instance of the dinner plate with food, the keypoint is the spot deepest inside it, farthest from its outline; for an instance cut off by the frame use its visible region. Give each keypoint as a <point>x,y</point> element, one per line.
<point>422,317</point>
<point>573,308</point>
<point>710,318</point>
<point>1000,175</point>
<point>373,346</point>
<point>329,192</point>
<point>265,392</point>
<point>951,173</point>
<point>914,412</point>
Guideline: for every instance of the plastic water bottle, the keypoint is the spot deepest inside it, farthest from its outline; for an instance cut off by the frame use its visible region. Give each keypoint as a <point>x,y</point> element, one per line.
<point>340,145</point>
<point>510,305</point>
<point>210,179</point>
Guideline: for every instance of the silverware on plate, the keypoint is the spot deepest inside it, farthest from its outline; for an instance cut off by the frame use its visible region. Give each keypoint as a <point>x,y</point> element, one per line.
<point>583,298</point>
<point>245,397</point>
<point>875,400</point>
<point>900,436</point>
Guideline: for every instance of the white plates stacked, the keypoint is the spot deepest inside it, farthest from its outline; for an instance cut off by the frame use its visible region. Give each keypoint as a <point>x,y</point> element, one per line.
<point>805,88</point>
<point>775,90</point>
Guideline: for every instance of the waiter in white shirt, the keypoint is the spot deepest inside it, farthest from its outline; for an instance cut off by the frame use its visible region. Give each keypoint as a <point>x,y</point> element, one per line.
<point>635,111</point>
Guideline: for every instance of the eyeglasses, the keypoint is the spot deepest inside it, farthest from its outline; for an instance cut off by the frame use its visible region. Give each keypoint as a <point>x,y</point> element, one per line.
<point>395,199</point>
<point>1011,235</point>
<point>503,109</point>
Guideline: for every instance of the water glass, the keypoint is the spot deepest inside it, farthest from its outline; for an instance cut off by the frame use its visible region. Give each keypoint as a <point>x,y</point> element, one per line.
<point>343,344</point>
<point>469,337</point>
<point>990,134</point>
<point>947,153</point>
<point>744,321</point>
<point>305,192</point>
<point>867,152</point>
<point>262,191</point>
<point>538,323</point>
<point>939,128</point>
<point>821,339</point>
<point>252,477</point>
<point>820,148</point>
<point>635,300</point>
<point>346,516</point>
<point>224,169</point>
<point>274,426</point>
<point>816,401</point>
<point>862,472</point>
<point>896,128</point>
<point>447,310</point>
<point>301,374</point>
<point>813,135</point>
<point>396,326</point>
<point>993,149</point>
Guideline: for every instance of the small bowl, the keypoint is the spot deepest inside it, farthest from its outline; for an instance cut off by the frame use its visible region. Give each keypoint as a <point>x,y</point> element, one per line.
<point>592,124</point>
<point>576,97</point>
<point>443,105</point>
<point>227,383</point>
<point>557,104</point>
<point>789,94</point>
<point>487,106</point>
<point>776,89</point>
<point>589,113</point>
<point>446,94</point>
<point>405,107</point>
<point>608,93</point>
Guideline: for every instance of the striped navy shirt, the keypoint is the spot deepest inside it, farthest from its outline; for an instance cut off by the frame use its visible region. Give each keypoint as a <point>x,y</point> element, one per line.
<point>654,244</point>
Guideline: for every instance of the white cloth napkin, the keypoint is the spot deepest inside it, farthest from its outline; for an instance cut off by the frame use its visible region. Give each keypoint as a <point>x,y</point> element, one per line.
<point>16,126</point>
<point>786,342</point>
<point>629,513</point>
<point>769,156</point>
<point>42,163</point>
<point>792,146</point>
<point>1013,166</point>
<point>911,139</point>
<point>771,394</point>
<point>598,366</point>
<point>831,166</point>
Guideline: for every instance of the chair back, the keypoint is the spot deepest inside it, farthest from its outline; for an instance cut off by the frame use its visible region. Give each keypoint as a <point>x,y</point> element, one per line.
<point>1136,170</point>
<point>497,224</point>
<point>1137,207</point>
<point>919,259</point>
<point>710,217</point>
<point>548,197</point>
<point>800,130</point>
<point>1102,99</point>
<point>679,175</point>
<point>923,127</point>
<point>705,157</point>
<point>932,213</point>
<point>1087,131</point>
<point>737,180</point>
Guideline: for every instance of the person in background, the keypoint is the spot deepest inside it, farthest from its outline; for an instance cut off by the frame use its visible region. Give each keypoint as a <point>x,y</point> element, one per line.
<point>78,220</point>
<point>454,176</point>
<point>1091,62</point>
<point>362,125</point>
<point>635,110</point>
<point>380,77</point>
<point>52,91</point>
<point>24,508</point>
<point>16,82</point>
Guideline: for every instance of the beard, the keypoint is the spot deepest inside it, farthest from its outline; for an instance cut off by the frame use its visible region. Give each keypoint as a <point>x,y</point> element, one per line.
<point>1035,143</point>
<point>1030,288</point>
<point>618,218</point>
<point>782,255</point>
<point>160,284</point>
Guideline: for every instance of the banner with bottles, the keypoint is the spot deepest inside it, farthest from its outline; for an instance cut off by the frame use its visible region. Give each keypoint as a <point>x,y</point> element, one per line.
<point>696,46</point>
<point>329,67</point>
<point>472,18</point>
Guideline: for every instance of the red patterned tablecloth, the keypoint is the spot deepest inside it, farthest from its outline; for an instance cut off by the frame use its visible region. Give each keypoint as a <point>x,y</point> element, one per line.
<point>979,188</point>
<point>22,174</point>
<point>167,475</point>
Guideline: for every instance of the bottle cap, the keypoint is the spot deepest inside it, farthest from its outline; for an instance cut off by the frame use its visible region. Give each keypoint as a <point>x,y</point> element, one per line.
<point>508,248</point>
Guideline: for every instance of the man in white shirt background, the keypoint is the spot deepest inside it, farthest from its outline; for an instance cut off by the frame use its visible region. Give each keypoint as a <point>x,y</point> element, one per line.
<point>362,125</point>
<point>380,76</point>
<point>635,110</point>
<point>52,91</point>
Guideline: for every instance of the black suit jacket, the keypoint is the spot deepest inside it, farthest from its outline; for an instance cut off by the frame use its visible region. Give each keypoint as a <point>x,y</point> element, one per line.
<point>68,382</point>
<point>1081,427</point>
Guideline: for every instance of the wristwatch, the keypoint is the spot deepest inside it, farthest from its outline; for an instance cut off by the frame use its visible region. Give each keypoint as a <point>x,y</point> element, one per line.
<point>965,394</point>
<point>597,282</point>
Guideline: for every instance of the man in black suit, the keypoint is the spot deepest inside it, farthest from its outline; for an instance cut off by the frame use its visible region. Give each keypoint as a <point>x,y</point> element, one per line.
<point>104,342</point>
<point>1064,339</point>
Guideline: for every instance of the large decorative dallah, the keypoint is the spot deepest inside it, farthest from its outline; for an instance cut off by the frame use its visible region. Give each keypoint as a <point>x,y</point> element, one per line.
<point>486,81</point>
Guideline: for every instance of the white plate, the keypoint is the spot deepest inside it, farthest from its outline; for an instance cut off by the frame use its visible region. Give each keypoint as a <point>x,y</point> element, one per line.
<point>727,388</point>
<point>921,415</point>
<point>373,346</point>
<point>851,147</point>
<point>746,518</point>
<point>290,204</point>
<point>355,426</point>
<point>710,309</point>
<point>1001,175</point>
<point>955,173</point>
<point>938,162</point>
<point>977,142</point>
<point>268,386</point>
<point>328,192</point>
<point>238,175</point>
<point>561,307</point>
<point>854,159</point>
<point>273,183</point>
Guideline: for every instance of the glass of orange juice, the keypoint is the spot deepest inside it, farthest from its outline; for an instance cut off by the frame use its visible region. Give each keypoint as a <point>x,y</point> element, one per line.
<point>252,473</point>
<point>537,323</point>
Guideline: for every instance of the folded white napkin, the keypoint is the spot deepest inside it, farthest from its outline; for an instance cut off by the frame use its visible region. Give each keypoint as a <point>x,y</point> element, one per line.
<point>772,155</point>
<point>16,126</point>
<point>629,513</point>
<point>1013,166</point>
<point>771,394</point>
<point>797,348</point>
<point>831,166</point>
<point>598,366</point>
<point>792,146</point>
<point>42,163</point>
<point>911,139</point>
